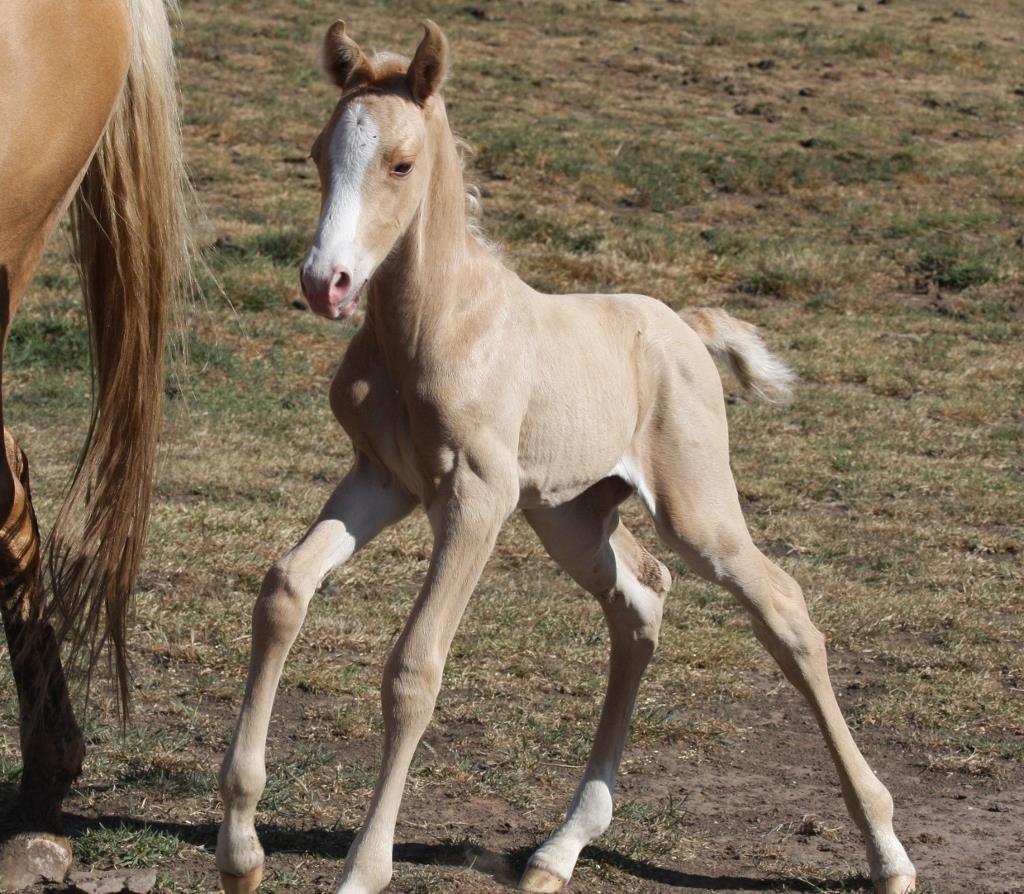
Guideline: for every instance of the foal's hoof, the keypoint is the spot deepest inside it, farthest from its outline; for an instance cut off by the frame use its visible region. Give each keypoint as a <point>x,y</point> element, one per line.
<point>241,884</point>
<point>898,884</point>
<point>540,881</point>
<point>31,857</point>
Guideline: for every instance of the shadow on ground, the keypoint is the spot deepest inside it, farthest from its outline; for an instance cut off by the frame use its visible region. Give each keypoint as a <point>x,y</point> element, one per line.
<point>504,868</point>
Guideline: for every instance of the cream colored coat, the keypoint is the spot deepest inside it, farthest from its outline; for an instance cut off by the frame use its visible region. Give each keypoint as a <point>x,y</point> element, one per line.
<point>472,395</point>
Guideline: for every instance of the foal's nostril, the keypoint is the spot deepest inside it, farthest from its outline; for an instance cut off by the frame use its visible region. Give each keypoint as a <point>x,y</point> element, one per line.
<point>342,280</point>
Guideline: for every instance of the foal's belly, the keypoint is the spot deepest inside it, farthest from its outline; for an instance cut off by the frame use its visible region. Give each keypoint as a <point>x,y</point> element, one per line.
<point>538,488</point>
<point>582,413</point>
<point>564,452</point>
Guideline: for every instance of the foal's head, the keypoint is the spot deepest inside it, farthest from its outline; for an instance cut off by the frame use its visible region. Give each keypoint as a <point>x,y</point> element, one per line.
<point>370,157</point>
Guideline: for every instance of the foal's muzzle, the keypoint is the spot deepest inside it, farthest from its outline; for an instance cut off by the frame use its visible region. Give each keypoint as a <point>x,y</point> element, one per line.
<point>332,295</point>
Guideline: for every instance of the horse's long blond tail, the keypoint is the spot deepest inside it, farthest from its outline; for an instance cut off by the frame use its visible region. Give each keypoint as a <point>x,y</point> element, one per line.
<point>738,345</point>
<point>131,237</point>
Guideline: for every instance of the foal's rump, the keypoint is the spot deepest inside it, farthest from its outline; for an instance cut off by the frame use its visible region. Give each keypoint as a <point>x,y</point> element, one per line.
<point>730,341</point>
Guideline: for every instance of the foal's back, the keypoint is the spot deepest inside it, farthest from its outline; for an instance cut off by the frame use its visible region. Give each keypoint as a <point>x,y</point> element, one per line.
<point>597,369</point>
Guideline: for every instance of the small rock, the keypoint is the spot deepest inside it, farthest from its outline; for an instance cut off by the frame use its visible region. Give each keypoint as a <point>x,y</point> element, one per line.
<point>141,882</point>
<point>132,881</point>
<point>93,884</point>
<point>32,857</point>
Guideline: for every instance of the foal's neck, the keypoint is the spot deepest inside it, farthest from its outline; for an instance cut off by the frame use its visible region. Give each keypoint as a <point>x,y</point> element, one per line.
<point>417,291</point>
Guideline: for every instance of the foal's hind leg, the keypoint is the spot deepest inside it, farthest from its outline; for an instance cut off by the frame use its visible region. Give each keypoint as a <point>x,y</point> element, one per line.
<point>697,513</point>
<point>587,539</point>
<point>360,507</point>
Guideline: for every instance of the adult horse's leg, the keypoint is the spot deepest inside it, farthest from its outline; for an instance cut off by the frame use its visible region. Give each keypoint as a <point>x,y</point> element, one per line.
<point>361,506</point>
<point>466,524</point>
<point>51,741</point>
<point>697,512</point>
<point>587,539</point>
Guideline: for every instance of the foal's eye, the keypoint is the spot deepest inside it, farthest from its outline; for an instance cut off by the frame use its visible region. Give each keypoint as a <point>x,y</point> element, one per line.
<point>402,168</point>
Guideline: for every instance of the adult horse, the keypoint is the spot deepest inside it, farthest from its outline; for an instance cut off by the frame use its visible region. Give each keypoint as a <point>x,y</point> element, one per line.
<point>88,118</point>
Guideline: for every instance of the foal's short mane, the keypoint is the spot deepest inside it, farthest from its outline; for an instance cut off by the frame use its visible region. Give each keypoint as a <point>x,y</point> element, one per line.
<point>474,206</point>
<point>388,68</point>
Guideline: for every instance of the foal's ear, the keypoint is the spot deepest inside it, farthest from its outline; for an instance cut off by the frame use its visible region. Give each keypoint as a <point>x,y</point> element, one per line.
<point>429,66</point>
<point>343,61</point>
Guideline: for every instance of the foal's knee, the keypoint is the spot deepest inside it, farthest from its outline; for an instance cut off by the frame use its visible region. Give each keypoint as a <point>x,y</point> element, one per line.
<point>412,680</point>
<point>281,606</point>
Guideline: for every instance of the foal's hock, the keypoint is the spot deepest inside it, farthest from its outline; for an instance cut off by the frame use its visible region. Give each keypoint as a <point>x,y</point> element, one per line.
<point>472,395</point>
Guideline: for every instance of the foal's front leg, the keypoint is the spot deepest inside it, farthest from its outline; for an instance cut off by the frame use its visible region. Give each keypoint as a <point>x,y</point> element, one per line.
<point>466,524</point>
<point>361,506</point>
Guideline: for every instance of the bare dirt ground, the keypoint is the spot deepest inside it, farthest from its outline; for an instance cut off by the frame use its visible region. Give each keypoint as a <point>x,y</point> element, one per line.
<point>762,813</point>
<point>848,177</point>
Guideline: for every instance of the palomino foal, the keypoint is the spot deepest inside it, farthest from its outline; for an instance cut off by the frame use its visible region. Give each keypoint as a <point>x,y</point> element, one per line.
<point>467,392</point>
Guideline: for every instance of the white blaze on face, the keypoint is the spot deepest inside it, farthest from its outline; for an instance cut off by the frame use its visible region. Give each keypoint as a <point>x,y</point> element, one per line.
<point>354,143</point>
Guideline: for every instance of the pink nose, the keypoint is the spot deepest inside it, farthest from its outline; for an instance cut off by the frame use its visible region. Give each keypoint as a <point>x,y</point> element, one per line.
<point>327,295</point>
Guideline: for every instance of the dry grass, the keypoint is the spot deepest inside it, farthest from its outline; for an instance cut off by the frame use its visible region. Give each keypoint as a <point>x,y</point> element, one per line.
<point>848,180</point>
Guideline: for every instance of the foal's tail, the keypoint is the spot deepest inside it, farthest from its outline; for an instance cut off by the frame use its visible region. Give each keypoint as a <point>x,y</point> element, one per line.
<point>131,238</point>
<point>738,345</point>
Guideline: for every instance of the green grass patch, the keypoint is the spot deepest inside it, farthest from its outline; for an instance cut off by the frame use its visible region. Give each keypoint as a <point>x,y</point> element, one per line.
<point>955,266</point>
<point>284,248</point>
<point>48,342</point>
<point>931,221</point>
<point>659,178</point>
<point>126,847</point>
<point>203,356</point>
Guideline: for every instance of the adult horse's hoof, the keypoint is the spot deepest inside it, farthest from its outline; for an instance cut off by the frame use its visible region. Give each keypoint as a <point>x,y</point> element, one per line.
<point>898,884</point>
<point>241,884</point>
<point>540,881</point>
<point>31,857</point>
